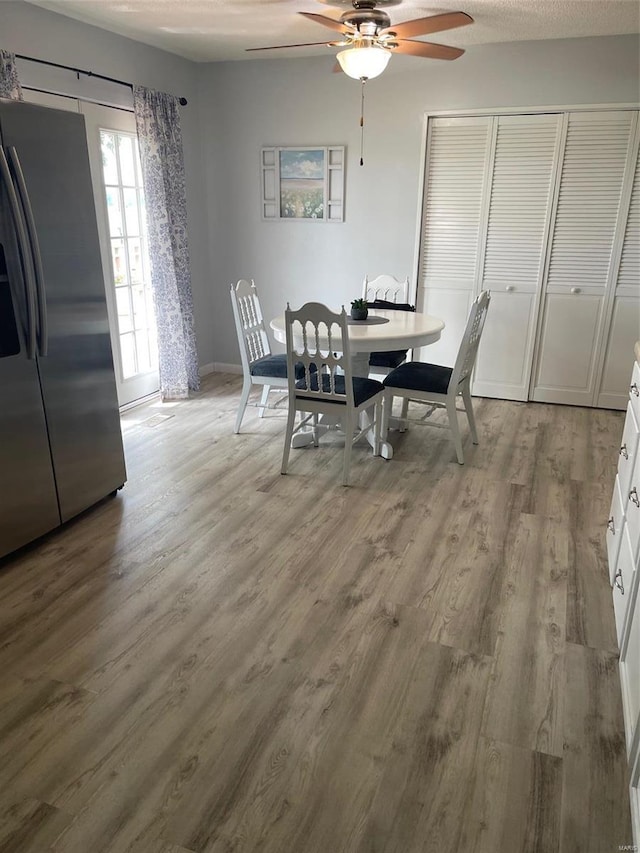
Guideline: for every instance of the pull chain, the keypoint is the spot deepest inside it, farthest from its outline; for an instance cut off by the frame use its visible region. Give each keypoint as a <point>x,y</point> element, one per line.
<point>363,80</point>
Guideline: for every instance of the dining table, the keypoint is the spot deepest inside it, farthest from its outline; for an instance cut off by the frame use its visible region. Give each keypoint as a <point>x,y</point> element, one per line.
<point>383,330</point>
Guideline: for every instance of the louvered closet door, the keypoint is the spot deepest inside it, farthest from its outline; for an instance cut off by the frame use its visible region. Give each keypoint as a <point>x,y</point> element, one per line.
<point>520,202</point>
<point>456,175</point>
<point>580,257</point>
<point>624,328</point>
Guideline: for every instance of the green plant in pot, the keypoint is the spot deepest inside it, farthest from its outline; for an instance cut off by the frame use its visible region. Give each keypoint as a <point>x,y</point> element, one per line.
<point>359,309</point>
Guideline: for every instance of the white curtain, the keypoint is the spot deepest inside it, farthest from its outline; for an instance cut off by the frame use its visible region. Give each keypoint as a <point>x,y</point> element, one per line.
<point>160,137</point>
<point>9,83</point>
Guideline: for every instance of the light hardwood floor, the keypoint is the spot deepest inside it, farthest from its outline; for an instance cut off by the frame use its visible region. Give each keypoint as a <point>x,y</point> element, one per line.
<point>225,659</point>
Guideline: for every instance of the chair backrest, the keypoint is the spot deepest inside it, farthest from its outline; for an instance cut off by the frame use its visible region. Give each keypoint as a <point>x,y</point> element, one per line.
<point>252,335</point>
<point>386,287</point>
<point>318,339</point>
<point>471,339</point>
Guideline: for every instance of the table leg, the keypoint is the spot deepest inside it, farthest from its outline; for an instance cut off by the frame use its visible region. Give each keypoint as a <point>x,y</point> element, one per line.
<point>305,437</point>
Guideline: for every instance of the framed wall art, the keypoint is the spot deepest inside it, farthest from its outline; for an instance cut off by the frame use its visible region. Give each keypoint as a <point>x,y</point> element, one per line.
<point>303,183</point>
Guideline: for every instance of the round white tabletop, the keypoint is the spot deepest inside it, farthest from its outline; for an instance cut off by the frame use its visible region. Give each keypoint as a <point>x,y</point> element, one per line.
<point>405,330</point>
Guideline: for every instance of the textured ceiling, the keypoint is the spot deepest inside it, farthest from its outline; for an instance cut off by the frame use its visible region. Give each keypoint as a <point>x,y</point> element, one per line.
<point>211,30</point>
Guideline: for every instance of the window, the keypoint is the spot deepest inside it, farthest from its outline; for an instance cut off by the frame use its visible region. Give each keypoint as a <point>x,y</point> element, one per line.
<point>130,262</point>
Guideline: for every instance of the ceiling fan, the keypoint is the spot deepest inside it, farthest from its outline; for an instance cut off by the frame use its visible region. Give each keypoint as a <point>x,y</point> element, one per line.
<point>369,38</point>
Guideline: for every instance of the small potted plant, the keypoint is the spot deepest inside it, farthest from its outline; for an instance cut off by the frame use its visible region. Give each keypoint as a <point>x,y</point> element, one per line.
<point>359,309</point>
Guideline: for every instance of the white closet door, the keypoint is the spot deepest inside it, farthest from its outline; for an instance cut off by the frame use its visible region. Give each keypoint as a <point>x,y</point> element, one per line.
<point>625,318</point>
<point>521,194</point>
<point>458,159</point>
<point>629,272</point>
<point>579,261</point>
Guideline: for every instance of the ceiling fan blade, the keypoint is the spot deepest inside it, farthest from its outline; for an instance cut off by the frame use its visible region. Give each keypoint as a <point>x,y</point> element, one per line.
<point>284,46</point>
<point>426,49</point>
<point>337,68</point>
<point>328,22</point>
<point>425,26</point>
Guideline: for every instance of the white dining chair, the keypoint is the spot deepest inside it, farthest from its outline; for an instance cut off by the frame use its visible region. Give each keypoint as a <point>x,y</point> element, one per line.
<point>318,340</point>
<point>386,292</point>
<point>386,287</point>
<point>438,386</point>
<point>260,367</point>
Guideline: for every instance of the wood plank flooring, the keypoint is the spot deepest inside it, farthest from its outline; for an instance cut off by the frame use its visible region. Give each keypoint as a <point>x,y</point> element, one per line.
<point>224,659</point>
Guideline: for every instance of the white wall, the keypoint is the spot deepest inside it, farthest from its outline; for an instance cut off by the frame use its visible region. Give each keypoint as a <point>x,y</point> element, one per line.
<point>37,32</point>
<point>236,107</point>
<point>299,102</point>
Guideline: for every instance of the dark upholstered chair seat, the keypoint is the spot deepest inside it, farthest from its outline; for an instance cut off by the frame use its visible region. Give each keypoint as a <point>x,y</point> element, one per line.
<point>418,376</point>
<point>274,365</point>
<point>389,359</point>
<point>363,388</point>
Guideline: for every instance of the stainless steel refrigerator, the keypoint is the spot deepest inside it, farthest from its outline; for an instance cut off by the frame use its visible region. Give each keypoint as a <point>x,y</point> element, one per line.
<point>60,439</point>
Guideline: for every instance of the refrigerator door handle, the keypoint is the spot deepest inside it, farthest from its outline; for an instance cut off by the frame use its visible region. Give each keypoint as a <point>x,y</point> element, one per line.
<point>43,342</point>
<point>27,260</point>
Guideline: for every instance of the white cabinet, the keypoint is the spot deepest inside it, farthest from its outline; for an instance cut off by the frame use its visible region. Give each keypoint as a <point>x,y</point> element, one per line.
<point>615,525</point>
<point>630,683</point>
<point>634,788</point>
<point>628,450</point>
<point>631,506</point>
<point>623,507</point>
<point>634,391</point>
<point>624,588</point>
<point>623,551</point>
<point>623,523</point>
<point>630,674</point>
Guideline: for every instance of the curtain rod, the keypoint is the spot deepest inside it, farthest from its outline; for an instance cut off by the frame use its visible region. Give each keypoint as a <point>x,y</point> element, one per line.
<point>77,98</point>
<point>182,101</point>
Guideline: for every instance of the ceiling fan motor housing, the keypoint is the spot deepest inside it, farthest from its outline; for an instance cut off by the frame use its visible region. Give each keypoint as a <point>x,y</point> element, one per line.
<point>366,19</point>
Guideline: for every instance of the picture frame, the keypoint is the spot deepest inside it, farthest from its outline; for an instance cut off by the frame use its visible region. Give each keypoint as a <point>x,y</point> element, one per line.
<point>303,183</point>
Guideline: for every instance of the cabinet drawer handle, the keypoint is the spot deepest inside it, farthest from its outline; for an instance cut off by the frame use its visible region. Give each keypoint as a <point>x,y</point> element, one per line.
<point>633,497</point>
<point>624,452</point>
<point>633,389</point>
<point>611,525</point>
<point>509,288</point>
<point>575,290</point>
<point>619,582</point>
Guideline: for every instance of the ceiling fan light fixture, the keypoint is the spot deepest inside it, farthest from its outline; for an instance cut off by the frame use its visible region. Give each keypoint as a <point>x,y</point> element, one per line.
<point>364,62</point>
